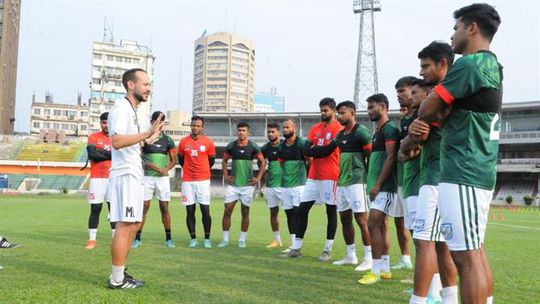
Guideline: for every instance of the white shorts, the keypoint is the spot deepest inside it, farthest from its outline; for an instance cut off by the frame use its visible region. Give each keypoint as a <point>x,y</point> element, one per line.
<point>428,219</point>
<point>320,191</point>
<point>243,194</point>
<point>159,185</point>
<point>196,192</point>
<point>386,203</point>
<point>291,197</point>
<point>126,198</point>
<point>464,215</point>
<point>98,191</point>
<point>273,196</point>
<point>410,214</point>
<point>352,197</point>
<point>400,210</point>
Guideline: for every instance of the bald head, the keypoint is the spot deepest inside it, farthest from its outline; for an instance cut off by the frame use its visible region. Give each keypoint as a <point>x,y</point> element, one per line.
<point>289,128</point>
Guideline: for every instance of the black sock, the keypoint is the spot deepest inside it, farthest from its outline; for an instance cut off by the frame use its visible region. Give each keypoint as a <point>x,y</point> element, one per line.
<point>93,219</point>
<point>206,220</point>
<point>292,215</point>
<point>303,212</point>
<point>331,216</point>
<point>167,234</point>
<point>190,220</point>
<point>138,235</point>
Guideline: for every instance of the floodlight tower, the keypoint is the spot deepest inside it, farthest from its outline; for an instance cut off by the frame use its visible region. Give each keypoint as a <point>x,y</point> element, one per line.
<point>365,82</point>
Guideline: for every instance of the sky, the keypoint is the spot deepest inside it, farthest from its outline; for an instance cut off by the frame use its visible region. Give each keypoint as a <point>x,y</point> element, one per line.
<point>307,49</point>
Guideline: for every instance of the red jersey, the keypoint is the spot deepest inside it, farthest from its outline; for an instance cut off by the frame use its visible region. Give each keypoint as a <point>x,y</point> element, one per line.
<point>102,142</point>
<point>326,168</point>
<point>196,152</point>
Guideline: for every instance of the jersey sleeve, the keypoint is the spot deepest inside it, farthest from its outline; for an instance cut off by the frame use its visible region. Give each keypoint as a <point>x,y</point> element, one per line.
<point>91,140</point>
<point>181,147</point>
<point>391,134</point>
<point>229,148</point>
<point>119,121</point>
<point>463,79</point>
<point>364,138</point>
<point>256,149</point>
<point>311,136</point>
<point>264,150</point>
<point>211,148</point>
<point>170,144</point>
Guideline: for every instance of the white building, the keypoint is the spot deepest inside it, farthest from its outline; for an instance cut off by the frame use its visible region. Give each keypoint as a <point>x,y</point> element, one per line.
<point>109,62</point>
<point>70,118</point>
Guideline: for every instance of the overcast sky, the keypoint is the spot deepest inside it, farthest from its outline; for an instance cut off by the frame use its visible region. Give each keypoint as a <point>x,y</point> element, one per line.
<point>307,49</point>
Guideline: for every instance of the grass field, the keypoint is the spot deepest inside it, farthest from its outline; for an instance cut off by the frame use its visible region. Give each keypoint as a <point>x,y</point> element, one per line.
<point>53,267</point>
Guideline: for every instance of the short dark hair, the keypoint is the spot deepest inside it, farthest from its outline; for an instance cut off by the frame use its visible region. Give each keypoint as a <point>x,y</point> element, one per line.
<point>405,81</point>
<point>347,104</point>
<point>437,51</point>
<point>327,101</point>
<point>379,98</point>
<point>129,75</point>
<point>484,15</point>
<point>156,114</point>
<point>424,85</point>
<point>104,116</point>
<point>242,124</point>
<point>272,125</point>
<point>197,117</point>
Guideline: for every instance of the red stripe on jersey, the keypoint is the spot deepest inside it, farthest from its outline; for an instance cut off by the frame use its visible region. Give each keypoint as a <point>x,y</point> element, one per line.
<point>367,147</point>
<point>102,142</point>
<point>444,94</point>
<point>196,153</point>
<point>389,141</point>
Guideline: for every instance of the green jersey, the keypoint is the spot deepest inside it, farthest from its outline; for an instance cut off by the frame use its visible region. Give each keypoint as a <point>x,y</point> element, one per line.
<point>274,171</point>
<point>157,154</point>
<point>386,134</point>
<point>405,122</point>
<point>470,137</point>
<point>293,163</point>
<point>430,158</point>
<point>411,167</point>
<point>353,148</point>
<point>242,161</point>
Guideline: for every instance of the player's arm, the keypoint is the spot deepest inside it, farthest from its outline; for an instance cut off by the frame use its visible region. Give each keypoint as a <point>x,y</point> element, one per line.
<point>152,167</point>
<point>97,155</point>
<point>388,167</point>
<point>261,163</point>
<point>229,179</point>
<point>408,149</point>
<point>319,151</point>
<point>211,154</point>
<point>173,160</point>
<point>211,160</point>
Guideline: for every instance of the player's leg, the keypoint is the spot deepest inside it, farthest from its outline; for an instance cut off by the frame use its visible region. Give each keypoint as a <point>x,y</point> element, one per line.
<point>96,195</point>
<point>346,218</point>
<point>361,219</point>
<point>231,197</point>
<point>190,223</point>
<point>203,197</point>
<point>137,241</point>
<point>112,224</point>
<point>448,273</point>
<point>148,193</point>
<point>93,222</point>
<point>163,194</point>
<point>272,201</point>
<point>398,212</point>
<point>328,194</point>
<point>246,197</point>
<point>376,223</point>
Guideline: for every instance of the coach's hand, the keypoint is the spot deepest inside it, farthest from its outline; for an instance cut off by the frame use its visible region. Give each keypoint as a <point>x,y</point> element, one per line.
<point>374,191</point>
<point>229,179</point>
<point>255,181</point>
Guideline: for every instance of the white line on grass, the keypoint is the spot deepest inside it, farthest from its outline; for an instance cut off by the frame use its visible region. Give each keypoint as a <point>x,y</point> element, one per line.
<point>515,226</point>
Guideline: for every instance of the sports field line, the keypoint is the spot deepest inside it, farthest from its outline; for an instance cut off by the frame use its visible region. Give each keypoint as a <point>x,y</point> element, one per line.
<point>515,226</point>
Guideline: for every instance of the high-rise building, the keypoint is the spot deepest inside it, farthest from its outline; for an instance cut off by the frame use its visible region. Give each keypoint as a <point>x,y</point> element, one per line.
<point>223,74</point>
<point>10,12</point>
<point>109,62</point>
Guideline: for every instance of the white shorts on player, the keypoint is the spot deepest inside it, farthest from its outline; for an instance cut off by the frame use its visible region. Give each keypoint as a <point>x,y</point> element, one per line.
<point>464,215</point>
<point>98,191</point>
<point>242,194</point>
<point>196,192</point>
<point>410,213</point>
<point>320,191</point>
<point>126,198</point>
<point>273,196</point>
<point>386,203</point>
<point>352,197</point>
<point>158,185</point>
<point>291,196</point>
<point>401,209</point>
<point>428,220</point>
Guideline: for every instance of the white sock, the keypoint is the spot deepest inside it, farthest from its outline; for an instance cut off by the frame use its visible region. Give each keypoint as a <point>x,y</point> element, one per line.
<point>277,236</point>
<point>225,236</point>
<point>113,231</point>
<point>435,286</point>
<point>385,263</point>
<point>297,243</point>
<point>367,253</point>
<point>376,267</point>
<point>406,259</point>
<point>328,245</point>
<point>489,300</point>
<point>92,234</point>
<point>117,274</point>
<point>450,295</point>
<point>417,300</point>
<point>351,251</point>
<point>243,235</point>
<point>293,237</point>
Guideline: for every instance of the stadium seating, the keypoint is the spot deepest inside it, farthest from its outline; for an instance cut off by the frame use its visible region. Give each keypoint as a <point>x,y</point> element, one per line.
<point>47,182</point>
<point>51,152</point>
<point>517,190</point>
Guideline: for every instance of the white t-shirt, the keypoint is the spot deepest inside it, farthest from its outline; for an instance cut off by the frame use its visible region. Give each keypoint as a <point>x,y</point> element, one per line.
<point>122,121</point>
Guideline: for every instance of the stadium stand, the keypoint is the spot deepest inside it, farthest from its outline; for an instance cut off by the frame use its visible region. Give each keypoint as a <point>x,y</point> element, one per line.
<point>48,182</point>
<point>51,152</point>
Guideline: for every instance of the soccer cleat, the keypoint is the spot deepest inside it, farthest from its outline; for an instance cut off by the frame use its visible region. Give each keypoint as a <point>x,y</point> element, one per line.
<point>169,244</point>
<point>5,244</point>
<point>274,244</point>
<point>287,250</point>
<point>346,261</point>
<point>193,243</point>
<point>136,244</point>
<point>128,283</point>
<point>223,244</point>
<point>293,253</point>
<point>126,275</point>
<point>241,244</point>
<point>207,243</point>
<point>365,266</point>
<point>91,244</point>
<point>386,275</point>
<point>402,265</point>
<point>369,278</point>
<point>325,256</point>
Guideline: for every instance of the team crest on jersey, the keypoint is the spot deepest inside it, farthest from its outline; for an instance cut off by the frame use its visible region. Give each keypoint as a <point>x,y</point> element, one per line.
<point>447,232</point>
<point>419,224</point>
<point>241,151</point>
<point>202,148</point>
<point>328,136</point>
<point>344,142</point>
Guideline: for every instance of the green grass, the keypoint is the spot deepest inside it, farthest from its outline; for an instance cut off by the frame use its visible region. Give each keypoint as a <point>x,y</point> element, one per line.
<point>53,267</point>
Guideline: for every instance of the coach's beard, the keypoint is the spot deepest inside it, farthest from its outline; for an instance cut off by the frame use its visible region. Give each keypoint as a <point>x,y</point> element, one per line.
<point>140,97</point>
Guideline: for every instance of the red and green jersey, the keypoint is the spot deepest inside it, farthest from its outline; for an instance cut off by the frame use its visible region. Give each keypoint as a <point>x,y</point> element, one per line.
<point>352,160</point>
<point>158,154</point>
<point>411,167</point>
<point>388,133</point>
<point>102,142</point>
<point>404,123</point>
<point>293,163</point>
<point>326,168</point>
<point>470,137</point>
<point>196,153</point>
<point>242,161</point>
<point>274,171</point>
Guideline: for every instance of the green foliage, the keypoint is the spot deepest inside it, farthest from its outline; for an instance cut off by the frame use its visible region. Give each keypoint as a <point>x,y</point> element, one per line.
<point>528,200</point>
<point>509,199</point>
